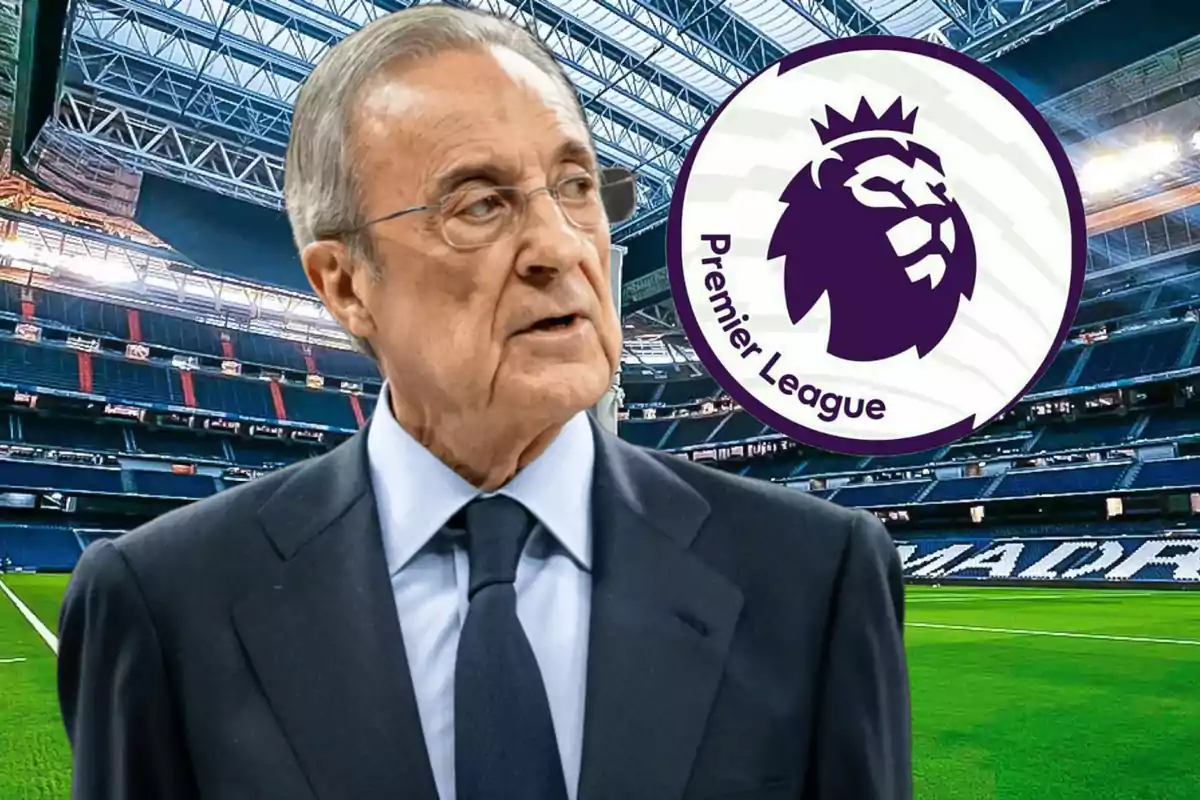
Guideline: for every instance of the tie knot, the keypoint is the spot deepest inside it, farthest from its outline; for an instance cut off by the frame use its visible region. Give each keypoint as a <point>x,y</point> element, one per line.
<point>497,528</point>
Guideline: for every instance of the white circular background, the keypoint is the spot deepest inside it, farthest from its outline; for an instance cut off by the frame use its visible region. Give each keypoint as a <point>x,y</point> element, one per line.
<point>996,168</point>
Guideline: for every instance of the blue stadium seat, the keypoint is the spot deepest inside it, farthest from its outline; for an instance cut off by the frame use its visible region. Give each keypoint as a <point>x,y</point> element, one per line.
<point>258,349</point>
<point>982,451</point>
<point>10,298</point>
<point>645,433</point>
<point>38,365</point>
<point>908,460</point>
<point>318,406</point>
<point>166,484</point>
<point>780,467</point>
<point>264,453</point>
<point>825,463</point>
<point>1130,356</point>
<point>180,334</point>
<point>865,495</point>
<point>1169,473</point>
<point>640,392</point>
<point>1084,433</point>
<point>97,435</point>
<point>26,475</point>
<point>181,443</point>
<point>41,547</point>
<point>234,395</point>
<point>678,393</point>
<point>1170,424</point>
<point>344,364</point>
<point>120,379</point>
<point>691,431</point>
<point>741,427</point>
<point>953,490</point>
<point>104,319</point>
<point>1065,480</point>
<point>1059,370</point>
<point>1105,309</point>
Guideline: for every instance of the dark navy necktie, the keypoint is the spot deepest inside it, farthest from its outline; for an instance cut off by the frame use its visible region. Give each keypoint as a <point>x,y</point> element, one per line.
<point>504,742</point>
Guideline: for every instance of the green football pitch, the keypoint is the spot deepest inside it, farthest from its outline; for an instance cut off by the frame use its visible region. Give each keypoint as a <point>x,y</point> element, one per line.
<point>1020,694</point>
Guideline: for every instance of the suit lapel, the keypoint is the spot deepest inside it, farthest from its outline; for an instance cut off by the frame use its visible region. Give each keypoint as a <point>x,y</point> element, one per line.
<point>661,626</point>
<point>324,637</point>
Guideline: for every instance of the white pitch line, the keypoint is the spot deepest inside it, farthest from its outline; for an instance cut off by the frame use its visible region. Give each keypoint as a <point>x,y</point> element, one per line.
<point>1073,595</point>
<point>48,637</point>
<point>11,660</point>
<point>1057,634</point>
<point>982,599</point>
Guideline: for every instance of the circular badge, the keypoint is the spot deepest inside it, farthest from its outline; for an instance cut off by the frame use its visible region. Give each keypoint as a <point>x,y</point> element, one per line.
<point>876,246</point>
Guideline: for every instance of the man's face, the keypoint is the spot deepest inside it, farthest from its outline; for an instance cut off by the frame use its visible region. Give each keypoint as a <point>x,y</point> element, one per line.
<point>466,330</point>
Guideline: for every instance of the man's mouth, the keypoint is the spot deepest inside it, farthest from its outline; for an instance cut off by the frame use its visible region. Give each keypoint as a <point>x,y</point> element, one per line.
<point>553,324</point>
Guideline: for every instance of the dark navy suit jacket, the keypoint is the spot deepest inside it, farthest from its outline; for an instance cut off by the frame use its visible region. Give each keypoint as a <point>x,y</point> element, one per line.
<point>745,644</point>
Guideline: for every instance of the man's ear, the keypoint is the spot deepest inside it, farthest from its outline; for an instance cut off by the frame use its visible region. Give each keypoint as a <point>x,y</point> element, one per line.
<point>331,270</point>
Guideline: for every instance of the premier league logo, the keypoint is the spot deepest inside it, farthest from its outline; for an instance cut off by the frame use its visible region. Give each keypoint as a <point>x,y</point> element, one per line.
<point>876,246</point>
<point>872,223</point>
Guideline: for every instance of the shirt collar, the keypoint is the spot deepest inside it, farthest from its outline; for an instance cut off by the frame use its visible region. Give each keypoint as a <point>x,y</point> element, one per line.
<point>416,493</point>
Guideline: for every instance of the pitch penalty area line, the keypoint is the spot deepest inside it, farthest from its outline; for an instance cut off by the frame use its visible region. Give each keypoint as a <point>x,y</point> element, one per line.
<point>49,638</point>
<point>1057,634</point>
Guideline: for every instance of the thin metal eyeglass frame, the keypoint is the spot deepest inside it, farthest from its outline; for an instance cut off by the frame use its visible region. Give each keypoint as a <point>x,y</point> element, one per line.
<point>623,176</point>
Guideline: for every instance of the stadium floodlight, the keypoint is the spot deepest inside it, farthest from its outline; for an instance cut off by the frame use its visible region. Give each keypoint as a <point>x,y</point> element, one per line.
<point>45,261</point>
<point>1113,171</point>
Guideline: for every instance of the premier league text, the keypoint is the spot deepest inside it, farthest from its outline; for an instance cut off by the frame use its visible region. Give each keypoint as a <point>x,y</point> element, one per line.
<point>828,404</point>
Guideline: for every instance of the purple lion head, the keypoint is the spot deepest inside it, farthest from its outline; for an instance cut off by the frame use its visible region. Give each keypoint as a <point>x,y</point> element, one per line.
<point>872,224</point>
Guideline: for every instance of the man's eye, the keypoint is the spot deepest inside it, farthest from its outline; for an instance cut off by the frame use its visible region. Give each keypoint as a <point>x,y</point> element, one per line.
<point>577,187</point>
<point>480,206</point>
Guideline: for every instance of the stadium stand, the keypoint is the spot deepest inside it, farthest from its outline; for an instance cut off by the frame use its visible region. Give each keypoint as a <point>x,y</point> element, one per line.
<point>119,404</point>
<point>1124,450</point>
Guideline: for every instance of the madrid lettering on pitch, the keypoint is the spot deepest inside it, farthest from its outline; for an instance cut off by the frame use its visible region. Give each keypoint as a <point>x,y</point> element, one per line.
<point>1004,560</point>
<point>830,405</point>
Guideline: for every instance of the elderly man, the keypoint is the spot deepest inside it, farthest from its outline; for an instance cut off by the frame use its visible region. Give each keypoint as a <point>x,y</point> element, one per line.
<point>483,595</point>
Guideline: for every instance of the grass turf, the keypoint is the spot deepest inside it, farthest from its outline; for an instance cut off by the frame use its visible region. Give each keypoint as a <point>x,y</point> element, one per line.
<point>1007,714</point>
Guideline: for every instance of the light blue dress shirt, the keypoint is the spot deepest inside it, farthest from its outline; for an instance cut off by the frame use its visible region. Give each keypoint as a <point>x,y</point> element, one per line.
<point>416,494</point>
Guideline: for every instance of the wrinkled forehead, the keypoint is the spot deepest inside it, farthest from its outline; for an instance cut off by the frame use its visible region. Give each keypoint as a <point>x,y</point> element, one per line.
<point>490,104</point>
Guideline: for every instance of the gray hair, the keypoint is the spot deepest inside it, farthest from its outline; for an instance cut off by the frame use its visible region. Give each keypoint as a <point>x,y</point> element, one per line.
<point>321,195</point>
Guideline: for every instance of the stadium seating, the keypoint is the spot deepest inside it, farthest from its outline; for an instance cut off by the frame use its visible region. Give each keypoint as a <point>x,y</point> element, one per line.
<point>166,484</point>
<point>1067,480</point>
<point>140,455</point>
<point>41,547</point>
<point>21,475</point>
<point>184,335</point>
<point>1134,355</point>
<point>65,432</point>
<point>44,366</point>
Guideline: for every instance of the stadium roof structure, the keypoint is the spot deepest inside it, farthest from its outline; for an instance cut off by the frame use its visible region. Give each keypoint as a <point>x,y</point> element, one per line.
<point>201,91</point>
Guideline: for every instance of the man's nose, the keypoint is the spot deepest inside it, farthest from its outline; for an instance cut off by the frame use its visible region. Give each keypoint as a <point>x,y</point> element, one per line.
<point>552,243</point>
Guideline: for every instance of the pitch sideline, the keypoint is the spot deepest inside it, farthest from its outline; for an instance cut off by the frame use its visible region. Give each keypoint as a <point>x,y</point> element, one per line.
<point>47,636</point>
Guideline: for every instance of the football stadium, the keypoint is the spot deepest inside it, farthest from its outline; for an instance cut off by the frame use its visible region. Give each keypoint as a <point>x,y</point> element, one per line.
<point>159,344</point>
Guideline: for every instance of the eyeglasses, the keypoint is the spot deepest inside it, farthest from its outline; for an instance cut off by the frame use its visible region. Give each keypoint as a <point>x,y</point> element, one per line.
<point>482,215</point>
